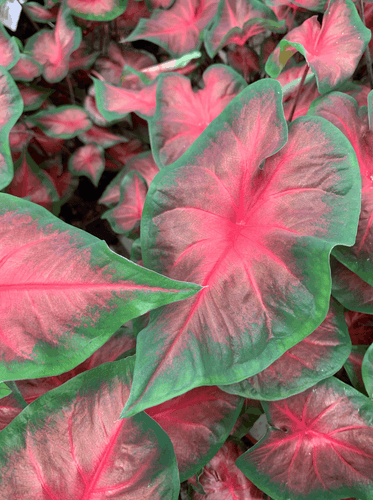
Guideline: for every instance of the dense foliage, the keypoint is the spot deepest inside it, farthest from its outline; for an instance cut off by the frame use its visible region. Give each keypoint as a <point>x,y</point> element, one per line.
<point>186,238</point>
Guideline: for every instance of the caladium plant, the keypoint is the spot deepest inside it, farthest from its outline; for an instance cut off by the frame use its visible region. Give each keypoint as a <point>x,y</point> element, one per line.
<point>186,278</point>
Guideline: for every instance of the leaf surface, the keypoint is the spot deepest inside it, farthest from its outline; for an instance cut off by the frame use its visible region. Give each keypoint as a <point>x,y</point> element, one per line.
<point>89,161</point>
<point>238,20</point>
<point>319,445</point>
<point>318,356</point>
<point>63,122</point>
<point>343,111</point>
<point>332,50</point>
<point>52,49</point>
<point>63,291</point>
<point>182,114</point>
<point>177,29</point>
<point>97,10</point>
<point>252,217</point>
<point>69,444</point>
<point>198,423</point>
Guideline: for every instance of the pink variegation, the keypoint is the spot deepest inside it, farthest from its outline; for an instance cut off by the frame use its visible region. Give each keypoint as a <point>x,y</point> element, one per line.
<point>100,10</point>
<point>53,48</point>
<point>176,126</point>
<point>82,450</point>
<point>63,122</point>
<point>238,20</point>
<point>177,29</point>
<point>332,50</point>
<point>89,161</point>
<point>230,214</point>
<point>222,480</point>
<point>320,445</point>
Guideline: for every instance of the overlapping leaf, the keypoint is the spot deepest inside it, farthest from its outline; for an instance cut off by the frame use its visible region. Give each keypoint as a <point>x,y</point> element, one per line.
<point>349,289</point>
<point>11,107</point>
<point>343,111</point>
<point>59,289</point>
<point>63,122</point>
<point>319,445</point>
<point>198,423</point>
<point>222,480</point>
<point>177,29</point>
<point>9,50</point>
<point>318,356</point>
<point>253,220</point>
<point>238,20</point>
<point>332,50</point>
<point>32,183</point>
<point>53,48</point>
<point>116,102</point>
<point>182,114</point>
<point>97,10</point>
<point>69,443</point>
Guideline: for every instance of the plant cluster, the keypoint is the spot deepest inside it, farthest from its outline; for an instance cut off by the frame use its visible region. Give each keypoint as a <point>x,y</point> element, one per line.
<point>230,145</point>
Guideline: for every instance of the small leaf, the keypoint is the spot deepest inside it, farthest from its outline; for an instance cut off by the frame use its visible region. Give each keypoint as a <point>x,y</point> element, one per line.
<point>63,122</point>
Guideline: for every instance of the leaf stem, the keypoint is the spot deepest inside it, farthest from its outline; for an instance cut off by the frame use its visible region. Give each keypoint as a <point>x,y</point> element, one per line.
<point>72,97</point>
<point>16,393</point>
<point>367,50</point>
<point>298,93</point>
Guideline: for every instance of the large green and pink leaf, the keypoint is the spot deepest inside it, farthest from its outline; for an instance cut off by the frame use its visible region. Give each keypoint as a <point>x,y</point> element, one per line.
<point>332,50</point>
<point>182,115</point>
<point>238,20</point>
<point>343,111</point>
<point>11,107</point>
<point>60,288</point>
<point>70,443</point>
<point>251,212</point>
<point>52,49</point>
<point>97,10</point>
<point>319,445</point>
<point>177,29</point>
<point>122,343</point>
<point>198,423</point>
<point>318,356</point>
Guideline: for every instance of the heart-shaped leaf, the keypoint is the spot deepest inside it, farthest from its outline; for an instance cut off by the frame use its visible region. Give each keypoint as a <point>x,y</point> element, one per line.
<point>252,217</point>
